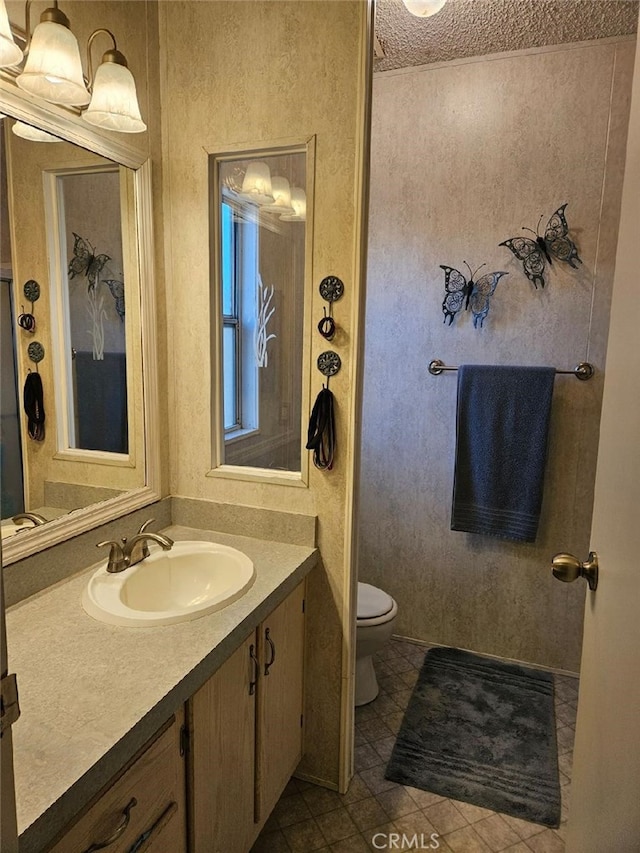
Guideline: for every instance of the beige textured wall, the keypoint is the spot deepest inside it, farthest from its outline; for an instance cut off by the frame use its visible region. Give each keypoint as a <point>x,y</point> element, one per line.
<point>463,155</point>
<point>258,72</point>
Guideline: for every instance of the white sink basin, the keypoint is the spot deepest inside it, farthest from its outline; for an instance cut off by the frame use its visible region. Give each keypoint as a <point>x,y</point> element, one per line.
<point>8,528</point>
<point>189,581</point>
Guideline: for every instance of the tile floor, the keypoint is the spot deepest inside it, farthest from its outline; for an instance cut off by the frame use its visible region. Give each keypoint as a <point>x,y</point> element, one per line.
<point>309,818</point>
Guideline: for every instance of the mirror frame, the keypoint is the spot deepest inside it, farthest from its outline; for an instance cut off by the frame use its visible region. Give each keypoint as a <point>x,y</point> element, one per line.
<point>66,124</point>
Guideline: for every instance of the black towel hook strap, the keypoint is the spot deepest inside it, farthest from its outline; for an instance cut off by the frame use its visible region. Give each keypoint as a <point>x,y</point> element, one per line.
<point>33,401</point>
<point>321,436</point>
<point>327,326</point>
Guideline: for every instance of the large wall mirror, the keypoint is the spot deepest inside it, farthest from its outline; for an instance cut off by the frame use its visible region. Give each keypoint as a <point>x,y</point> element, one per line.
<point>77,223</point>
<point>260,206</point>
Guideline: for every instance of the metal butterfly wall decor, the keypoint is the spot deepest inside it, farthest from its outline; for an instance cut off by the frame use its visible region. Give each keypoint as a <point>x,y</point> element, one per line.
<point>554,243</point>
<point>117,291</point>
<point>85,261</point>
<point>462,292</point>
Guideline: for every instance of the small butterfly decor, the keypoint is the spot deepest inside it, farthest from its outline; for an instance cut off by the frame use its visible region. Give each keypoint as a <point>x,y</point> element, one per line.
<point>554,243</point>
<point>462,292</point>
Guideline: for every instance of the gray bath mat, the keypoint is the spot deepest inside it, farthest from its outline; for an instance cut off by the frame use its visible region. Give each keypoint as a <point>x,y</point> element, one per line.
<point>481,731</point>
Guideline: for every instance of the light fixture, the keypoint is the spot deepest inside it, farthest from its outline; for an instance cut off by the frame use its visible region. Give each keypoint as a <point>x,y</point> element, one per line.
<point>53,70</point>
<point>299,204</point>
<point>33,134</point>
<point>114,102</point>
<point>281,192</point>
<point>424,8</point>
<point>10,53</point>
<point>256,185</point>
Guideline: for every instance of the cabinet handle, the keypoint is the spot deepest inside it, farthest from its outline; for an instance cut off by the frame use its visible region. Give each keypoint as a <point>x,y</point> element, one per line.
<point>147,837</point>
<point>256,670</point>
<point>272,646</point>
<point>119,831</point>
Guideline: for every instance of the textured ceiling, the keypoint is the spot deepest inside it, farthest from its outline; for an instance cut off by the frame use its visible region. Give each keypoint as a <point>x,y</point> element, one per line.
<point>478,27</point>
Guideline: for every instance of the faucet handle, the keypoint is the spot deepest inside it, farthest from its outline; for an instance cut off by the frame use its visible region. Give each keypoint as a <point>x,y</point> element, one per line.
<point>114,545</point>
<point>117,560</point>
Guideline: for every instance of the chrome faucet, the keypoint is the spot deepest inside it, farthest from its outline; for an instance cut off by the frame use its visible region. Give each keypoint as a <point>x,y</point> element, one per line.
<point>37,519</point>
<point>128,552</point>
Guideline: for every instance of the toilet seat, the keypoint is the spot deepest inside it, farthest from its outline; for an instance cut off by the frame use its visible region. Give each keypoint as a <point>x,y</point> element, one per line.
<point>375,606</point>
<point>375,623</point>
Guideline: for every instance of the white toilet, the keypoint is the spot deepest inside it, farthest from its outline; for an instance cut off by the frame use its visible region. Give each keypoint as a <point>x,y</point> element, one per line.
<point>377,613</point>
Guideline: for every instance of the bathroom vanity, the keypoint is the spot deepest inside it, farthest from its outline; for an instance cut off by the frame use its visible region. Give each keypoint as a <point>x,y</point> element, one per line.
<point>245,730</point>
<point>207,712</point>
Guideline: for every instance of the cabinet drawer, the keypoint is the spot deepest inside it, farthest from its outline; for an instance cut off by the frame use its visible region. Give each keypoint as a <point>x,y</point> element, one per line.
<point>147,797</point>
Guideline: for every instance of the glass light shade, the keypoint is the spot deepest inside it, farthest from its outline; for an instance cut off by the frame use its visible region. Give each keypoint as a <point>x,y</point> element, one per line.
<point>10,53</point>
<point>281,197</point>
<point>424,8</point>
<point>299,204</point>
<point>53,70</point>
<point>114,102</point>
<point>33,134</point>
<point>256,185</point>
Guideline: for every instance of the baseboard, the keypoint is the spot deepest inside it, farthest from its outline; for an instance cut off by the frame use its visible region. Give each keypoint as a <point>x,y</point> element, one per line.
<point>315,780</point>
<point>555,670</point>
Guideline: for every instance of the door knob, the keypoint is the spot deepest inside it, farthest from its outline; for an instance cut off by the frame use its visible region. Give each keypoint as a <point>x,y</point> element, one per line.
<point>567,568</point>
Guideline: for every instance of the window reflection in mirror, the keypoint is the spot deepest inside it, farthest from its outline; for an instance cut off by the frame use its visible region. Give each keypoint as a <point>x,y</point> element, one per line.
<point>84,216</point>
<point>259,216</point>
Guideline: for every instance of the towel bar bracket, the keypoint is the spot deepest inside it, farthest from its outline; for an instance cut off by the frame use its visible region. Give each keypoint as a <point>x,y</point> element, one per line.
<point>583,371</point>
<point>436,367</point>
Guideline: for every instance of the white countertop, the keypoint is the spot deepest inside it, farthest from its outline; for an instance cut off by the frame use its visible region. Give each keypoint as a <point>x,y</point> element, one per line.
<point>91,694</point>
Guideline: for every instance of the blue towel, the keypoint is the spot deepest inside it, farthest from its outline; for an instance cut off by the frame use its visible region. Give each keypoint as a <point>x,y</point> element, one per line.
<point>502,429</point>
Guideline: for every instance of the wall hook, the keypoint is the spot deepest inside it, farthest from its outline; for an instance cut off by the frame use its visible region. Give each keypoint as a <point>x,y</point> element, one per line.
<point>329,363</point>
<point>35,351</point>
<point>31,291</point>
<point>331,288</point>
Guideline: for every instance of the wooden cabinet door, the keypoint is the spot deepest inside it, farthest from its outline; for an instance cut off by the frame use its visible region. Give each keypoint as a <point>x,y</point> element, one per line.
<point>222,756</point>
<point>280,700</point>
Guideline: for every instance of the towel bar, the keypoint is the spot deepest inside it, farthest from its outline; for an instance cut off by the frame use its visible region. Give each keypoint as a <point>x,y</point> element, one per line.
<point>582,371</point>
